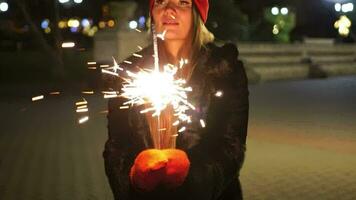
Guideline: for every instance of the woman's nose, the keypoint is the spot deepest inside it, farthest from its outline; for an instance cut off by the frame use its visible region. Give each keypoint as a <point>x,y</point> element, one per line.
<point>171,8</point>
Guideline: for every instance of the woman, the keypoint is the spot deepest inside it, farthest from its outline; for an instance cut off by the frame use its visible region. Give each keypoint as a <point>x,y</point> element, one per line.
<point>220,95</point>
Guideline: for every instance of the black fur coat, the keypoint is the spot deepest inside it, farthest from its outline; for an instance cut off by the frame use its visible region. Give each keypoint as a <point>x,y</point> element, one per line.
<point>216,152</point>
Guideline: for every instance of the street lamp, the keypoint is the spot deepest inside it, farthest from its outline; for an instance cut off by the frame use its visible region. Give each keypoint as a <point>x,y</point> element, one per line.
<point>133,24</point>
<point>284,11</point>
<point>63,1</point>
<point>4,6</point>
<point>275,11</point>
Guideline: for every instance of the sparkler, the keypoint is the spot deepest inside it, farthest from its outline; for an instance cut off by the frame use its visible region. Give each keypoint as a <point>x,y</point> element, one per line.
<point>157,90</point>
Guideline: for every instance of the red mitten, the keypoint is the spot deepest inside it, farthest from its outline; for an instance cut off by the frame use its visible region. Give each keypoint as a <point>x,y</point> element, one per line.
<point>154,167</point>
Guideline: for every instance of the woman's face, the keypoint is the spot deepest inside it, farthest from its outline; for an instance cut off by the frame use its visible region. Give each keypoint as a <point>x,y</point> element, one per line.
<point>173,16</point>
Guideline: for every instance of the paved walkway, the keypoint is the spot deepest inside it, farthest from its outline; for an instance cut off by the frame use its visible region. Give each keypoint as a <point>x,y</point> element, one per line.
<point>301,144</point>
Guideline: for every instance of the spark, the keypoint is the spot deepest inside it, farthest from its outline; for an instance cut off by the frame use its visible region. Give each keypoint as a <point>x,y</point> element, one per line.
<point>137,55</point>
<point>54,93</point>
<point>182,129</point>
<point>176,123</point>
<point>110,96</point>
<point>116,66</point>
<point>104,66</point>
<point>79,103</point>
<point>88,92</point>
<point>104,112</point>
<point>82,107</point>
<point>91,63</point>
<point>37,98</point>
<point>127,62</point>
<point>82,110</point>
<point>138,30</point>
<point>219,93</point>
<point>83,119</point>
<point>202,123</point>
<point>92,68</point>
<point>162,35</point>
<point>124,107</point>
<point>109,72</point>
<point>139,47</point>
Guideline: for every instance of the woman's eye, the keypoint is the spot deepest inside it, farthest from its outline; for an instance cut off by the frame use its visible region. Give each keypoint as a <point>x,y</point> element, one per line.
<point>184,3</point>
<point>160,2</point>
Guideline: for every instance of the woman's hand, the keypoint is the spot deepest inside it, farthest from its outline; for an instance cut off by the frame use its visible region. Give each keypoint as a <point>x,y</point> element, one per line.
<point>153,167</point>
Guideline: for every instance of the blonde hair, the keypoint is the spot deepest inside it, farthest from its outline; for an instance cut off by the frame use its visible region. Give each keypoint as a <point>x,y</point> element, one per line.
<point>163,124</point>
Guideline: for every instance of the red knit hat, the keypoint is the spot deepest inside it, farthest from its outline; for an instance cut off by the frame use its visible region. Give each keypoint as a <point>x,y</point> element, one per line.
<point>201,5</point>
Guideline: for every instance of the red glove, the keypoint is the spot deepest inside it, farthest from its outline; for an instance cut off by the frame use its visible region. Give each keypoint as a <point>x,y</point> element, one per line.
<point>154,167</point>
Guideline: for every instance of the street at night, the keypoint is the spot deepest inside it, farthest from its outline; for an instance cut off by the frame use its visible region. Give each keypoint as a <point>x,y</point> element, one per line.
<point>301,144</point>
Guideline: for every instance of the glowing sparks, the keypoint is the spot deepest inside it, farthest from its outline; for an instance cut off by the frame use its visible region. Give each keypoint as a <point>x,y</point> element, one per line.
<point>82,110</point>
<point>182,129</point>
<point>127,62</point>
<point>54,93</point>
<point>137,55</point>
<point>37,98</point>
<point>79,103</point>
<point>162,35</point>
<point>109,72</point>
<point>91,63</point>
<point>202,123</point>
<point>138,30</point>
<point>88,92</point>
<point>104,66</point>
<point>219,93</point>
<point>83,119</point>
<point>92,68</point>
<point>124,107</point>
<point>110,94</point>
<point>158,89</point>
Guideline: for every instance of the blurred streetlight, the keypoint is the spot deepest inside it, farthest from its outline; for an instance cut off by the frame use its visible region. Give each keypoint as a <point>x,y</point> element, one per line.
<point>4,7</point>
<point>345,8</point>
<point>78,1</point>
<point>63,1</point>
<point>349,7</point>
<point>337,7</point>
<point>343,25</point>
<point>284,11</point>
<point>45,24</point>
<point>133,24</point>
<point>275,11</point>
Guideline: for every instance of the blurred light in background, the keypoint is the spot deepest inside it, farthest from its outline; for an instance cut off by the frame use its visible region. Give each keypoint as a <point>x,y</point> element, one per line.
<point>349,7</point>
<point>4,7</point>
<point>47,30</point>
<point>73,23</point>
<point>284,11</point>
<point>338,7</point>
<point>74,29</point>
<point>68,44</point>
<point>85,22</point>
<point>78,1</point>
<point>275,30</point>
<point>111,23</point>
<point>102,24</point>
<point>343,25</point>
<point>133,24</point>
<point>62,24</point>
<point>345,8</point>
<point>275,11</point>
<point>63,1</point>
<point>142,21</point>
<point>45,24</point>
